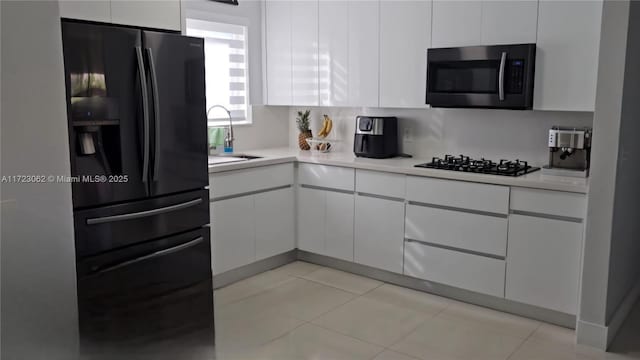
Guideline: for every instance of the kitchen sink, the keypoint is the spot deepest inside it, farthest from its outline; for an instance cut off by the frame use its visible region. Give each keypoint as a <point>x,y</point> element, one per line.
<point>225,159</point>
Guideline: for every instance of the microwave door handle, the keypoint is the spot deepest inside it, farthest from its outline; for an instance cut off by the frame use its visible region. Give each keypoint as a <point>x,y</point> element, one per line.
<point>156,112</point>
<point>145,114</point>
<point>503,60</point>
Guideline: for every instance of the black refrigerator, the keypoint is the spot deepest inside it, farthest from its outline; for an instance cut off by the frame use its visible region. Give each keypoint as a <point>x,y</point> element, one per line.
<point>138,151</point>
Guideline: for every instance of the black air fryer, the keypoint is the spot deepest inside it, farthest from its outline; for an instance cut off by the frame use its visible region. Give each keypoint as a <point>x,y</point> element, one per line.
<point>376,137</point>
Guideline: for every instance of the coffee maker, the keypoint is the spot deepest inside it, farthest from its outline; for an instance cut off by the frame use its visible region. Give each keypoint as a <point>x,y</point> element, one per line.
<point>569,152</point>
<point>376,137</point>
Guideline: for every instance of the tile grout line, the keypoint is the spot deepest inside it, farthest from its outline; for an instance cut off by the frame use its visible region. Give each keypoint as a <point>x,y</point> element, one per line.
<point>433,316</point>
<point>349,336</point>
<point>286,333</point>
<point>328,311</point>
<point>345,290</point>
<point>523,342</point>
<point>262,291</point>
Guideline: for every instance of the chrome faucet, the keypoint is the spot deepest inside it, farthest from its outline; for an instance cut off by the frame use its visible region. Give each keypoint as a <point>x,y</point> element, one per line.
<point>228,139</point>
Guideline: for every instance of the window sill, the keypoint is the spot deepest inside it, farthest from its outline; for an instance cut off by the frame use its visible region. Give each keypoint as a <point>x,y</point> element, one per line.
<point>226,123</point>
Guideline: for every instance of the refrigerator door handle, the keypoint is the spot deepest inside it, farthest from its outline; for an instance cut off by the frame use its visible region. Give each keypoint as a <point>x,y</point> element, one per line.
<point>141,214</point>
<point>156,112</point>
<point>145,114</point>
<point>152,255</point>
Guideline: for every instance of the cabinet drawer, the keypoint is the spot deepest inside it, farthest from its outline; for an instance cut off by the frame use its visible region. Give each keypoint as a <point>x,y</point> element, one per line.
<point>332,177</point>
<point>248,180</point>
<point>479,233</point>
<point>549,202</point>
<point>476,273</point>
<point>380,183</point>
<point>459,194</point>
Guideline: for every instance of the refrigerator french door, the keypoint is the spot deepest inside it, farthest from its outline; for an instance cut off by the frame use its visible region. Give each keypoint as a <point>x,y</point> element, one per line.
<point>138,151</point>
<point>136,112</point>
<point>177,81</point>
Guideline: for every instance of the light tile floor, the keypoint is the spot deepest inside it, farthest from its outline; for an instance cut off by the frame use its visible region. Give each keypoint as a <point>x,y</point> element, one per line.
<point>305,311</point>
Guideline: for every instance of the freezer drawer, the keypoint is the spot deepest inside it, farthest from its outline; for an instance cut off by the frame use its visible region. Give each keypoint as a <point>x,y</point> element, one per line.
<point>112,227</point>
<point>144,295</point>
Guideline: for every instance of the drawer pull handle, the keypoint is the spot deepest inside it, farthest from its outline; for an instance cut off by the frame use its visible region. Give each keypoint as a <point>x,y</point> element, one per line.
<point>156,254</point>
<point>141,214</point>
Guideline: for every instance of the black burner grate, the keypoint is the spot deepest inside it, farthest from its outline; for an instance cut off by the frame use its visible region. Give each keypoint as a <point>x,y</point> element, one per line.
<point>482,166</point>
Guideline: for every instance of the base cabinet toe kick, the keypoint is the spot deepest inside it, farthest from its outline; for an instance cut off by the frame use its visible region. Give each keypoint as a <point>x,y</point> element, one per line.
<point>518,246</point>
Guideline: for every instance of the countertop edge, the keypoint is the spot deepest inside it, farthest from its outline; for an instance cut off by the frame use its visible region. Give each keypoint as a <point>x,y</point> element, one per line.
<point>266,161</point>
<point>524,181</point>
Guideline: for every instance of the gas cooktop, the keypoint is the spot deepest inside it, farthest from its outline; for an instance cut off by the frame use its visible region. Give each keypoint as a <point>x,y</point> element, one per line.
<point>482,166</point>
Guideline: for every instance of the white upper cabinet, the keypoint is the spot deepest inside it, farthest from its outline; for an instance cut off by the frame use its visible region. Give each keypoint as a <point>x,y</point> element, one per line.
<point>334,53</point>
<point>304,52</point>
<point>278,52</point>
<point>164,14</point>
<point>509,21</point>
<point>405,35</point>
<point>487,22</point>
<point>92,10</point>
<point>456,23</point>
<point>363,28</point>
<point>567,55</point>
<point>373,53</point>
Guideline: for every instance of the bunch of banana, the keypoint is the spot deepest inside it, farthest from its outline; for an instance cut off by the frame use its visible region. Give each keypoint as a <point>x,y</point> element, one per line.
<point>327,125</point>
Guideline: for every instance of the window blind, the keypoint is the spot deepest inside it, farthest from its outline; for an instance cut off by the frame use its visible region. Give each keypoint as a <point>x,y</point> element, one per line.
<point>226,70</point>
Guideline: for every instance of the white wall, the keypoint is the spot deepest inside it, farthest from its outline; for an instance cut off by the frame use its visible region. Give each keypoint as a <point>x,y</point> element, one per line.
<point>611,268</point>
<point>625,247</point>
<point>494,134</point>
<point>604,161</point>
<point>39,309</point>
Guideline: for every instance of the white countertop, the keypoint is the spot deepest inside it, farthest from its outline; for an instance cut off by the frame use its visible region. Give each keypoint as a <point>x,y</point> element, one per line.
<point>402,166</point>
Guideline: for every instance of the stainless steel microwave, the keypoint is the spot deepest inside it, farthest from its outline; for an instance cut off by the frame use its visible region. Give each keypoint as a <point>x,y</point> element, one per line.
<point>499,76</point>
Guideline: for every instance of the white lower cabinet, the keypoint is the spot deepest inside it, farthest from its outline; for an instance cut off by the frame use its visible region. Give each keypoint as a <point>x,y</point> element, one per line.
<point>457,229</point>
<point>531,256</point>
<point>543,262</point>
<point>339,225</point>
<point>379,233</point>
<point>233,235</point>
<point>274,217</point>
<point>467,271</point>
<point>325,222</point>
<point>311,220</point>
<point>253,227</point>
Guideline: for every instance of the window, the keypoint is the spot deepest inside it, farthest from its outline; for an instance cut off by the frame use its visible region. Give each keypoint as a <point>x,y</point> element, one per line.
<point>226,70</point>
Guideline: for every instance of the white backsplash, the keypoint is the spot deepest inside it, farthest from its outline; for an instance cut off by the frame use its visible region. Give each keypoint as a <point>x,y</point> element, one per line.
<point>269,129</point>
<point>494,134</point>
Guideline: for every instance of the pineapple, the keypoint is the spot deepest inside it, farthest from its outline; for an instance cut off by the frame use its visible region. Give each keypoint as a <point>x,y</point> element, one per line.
<point>303,126</point>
